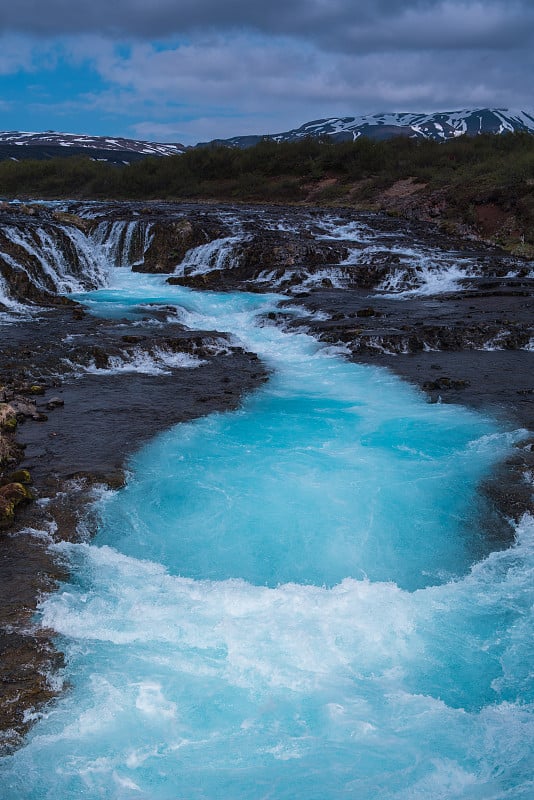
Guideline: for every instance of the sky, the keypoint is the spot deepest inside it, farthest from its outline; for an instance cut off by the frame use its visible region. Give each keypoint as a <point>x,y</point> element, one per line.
<point>194,70</point>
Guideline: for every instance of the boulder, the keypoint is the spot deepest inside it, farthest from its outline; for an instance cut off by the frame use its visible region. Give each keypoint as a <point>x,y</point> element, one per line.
<point>12,495</point>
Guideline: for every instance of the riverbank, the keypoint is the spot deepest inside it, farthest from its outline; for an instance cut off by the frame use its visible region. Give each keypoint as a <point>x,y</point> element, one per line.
<point>86,420</point>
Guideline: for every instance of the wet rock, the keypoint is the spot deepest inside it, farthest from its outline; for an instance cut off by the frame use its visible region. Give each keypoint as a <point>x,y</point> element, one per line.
<point>22,407</point>
<point>9,424</point>
<point>99,356</point>
<point>130,339</point>
<point>73,220</point>
<point>11,496</point>
<point>444,383</point>
<point>55,402</point>
<point>20,476</point>
<point>22,687</point>
<point>280,251</point>
<point>172,239</point>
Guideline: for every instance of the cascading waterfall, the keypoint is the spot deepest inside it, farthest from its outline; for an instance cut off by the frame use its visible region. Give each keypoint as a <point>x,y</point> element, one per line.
<point>293,600</point>
<point>11,306</point>
<point>206,257</point>
<point>62,259</point>
<point>123,242</point>
<point>65,261</point>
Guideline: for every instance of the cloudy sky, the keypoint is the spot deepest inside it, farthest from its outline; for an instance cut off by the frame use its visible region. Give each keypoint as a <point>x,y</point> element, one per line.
<point>192,70</point>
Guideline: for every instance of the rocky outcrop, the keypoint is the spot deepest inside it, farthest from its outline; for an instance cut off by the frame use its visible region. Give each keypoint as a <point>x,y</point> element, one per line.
<point>11,496</point>
<point>377,336</point>
<point>171,239</point>
<point>264,259</point>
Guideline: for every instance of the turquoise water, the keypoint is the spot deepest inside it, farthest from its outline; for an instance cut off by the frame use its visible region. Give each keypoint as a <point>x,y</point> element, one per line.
<point>293,600</point>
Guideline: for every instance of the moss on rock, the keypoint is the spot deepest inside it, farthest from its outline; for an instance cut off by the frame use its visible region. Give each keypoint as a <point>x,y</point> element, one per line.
<point>11,496</point>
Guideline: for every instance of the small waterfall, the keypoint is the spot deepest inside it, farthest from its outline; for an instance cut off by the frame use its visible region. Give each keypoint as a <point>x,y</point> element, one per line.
<point>7,302</point>
<point>426,274</point>
<point>61,259</point>
<point>207,257</point>
<point>123,243</point>
<point>58,259</point>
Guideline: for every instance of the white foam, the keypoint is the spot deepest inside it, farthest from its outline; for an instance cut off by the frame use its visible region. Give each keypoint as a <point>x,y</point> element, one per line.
<point>158,362</point>
<point>206,257</point>
<point>123,243</point>
<point>55,270</point>
<point>336,230</point>
<point>14,308</point>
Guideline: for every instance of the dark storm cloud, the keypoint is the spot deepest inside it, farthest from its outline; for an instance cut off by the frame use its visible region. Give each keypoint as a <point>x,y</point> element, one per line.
<point>332,24</point>
<point>192,70</point>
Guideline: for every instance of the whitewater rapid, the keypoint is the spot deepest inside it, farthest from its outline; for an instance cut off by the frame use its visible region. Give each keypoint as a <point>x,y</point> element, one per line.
<point>292,600</point>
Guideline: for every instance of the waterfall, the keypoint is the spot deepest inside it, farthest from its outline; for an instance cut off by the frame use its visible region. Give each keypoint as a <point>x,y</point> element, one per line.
<point>59,259</point>
<point>123,243</point>
<point>62,259</point>
<point>7,302</point>
<point>207,257</point>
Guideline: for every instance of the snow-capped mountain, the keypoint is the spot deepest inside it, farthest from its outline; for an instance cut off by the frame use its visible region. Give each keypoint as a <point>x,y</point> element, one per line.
<point>440,126</point>
<point>23,144</point>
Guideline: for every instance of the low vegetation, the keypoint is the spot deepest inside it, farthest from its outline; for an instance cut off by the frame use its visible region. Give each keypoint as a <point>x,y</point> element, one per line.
<point>483,184</point>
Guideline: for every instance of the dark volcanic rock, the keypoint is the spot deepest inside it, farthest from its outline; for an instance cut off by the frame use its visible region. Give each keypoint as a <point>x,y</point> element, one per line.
<point>481,342</point>
<point>278,251</point>
<point>171,240</point>
<point>266,257</point>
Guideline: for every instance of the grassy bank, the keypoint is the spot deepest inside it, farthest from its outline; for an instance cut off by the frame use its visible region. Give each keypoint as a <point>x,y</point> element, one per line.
<point>482,185</point>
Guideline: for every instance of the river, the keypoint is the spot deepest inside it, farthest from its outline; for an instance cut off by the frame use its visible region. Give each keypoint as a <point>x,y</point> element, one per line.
<point>296,599</point>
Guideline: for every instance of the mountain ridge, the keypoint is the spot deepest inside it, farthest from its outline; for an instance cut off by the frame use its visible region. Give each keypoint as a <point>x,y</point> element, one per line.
<point>439,126</point>
<point>77,140</point>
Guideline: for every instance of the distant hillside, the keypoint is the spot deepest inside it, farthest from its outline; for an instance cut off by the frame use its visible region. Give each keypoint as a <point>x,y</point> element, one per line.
<point>18,145</point>
<point>471,185</point>
<point>439,126</point>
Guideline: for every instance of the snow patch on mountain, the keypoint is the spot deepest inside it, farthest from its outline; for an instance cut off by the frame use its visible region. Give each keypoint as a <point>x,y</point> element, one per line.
<point>440,126</point>
<point>51,138</point>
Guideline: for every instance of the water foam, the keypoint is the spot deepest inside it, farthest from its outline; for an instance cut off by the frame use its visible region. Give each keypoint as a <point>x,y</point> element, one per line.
<point>158,362</point>
<point>206,257</point>
<point>219,689</point>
